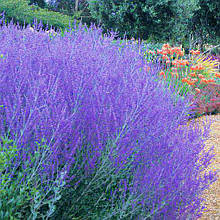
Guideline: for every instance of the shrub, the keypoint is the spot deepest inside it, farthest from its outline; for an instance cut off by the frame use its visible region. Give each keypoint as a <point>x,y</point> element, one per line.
<point>24,193</point>
<point>139,19</point>
<point>205,24</point>
<point>40,3</point>
<point>20,11</point>
<point>111,129</point>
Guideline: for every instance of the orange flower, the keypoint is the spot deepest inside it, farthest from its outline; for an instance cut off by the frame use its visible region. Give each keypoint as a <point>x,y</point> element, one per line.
<point>201,76</point>
<point>197,67</point>
<point>165,57</point>
<point>200,67</point>
<point>164,52</point>
<point>172,51</point>
<point>183,62</point>
<point>189,82</point>
<point>192,74</point>
<point>211,80</point>
<point>186,62</point>
<point>197,90</point>
<point>169,51</point>
<point>162,73</point>
<point>159,51</point>
<point>193,67</point>
<point>203,81</point>
<point>192,83</point>
<point>184,80</point>
<point>175,62</point>
<point>217,75</point>
<point>176,49</point>
<point>181,53</point>
<point>166,46</point>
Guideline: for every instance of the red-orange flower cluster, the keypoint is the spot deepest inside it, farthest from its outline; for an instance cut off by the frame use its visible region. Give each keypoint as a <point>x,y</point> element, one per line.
<point>194,77</point>
<point>217,75</point>
<point>197,67</point>
<point>179,63</point>
<point>195,52</point>
<point>167,49</point>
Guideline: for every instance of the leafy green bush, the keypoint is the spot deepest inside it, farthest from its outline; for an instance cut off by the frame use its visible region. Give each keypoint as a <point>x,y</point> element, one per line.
<point>77,8</point>
<point>20,11</point>
<point>205,23</point>
<point>40,3</point>
<point>24,195</point>
<point>139,19</point>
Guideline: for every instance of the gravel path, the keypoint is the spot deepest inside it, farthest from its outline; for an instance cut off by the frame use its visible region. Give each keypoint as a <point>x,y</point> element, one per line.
<point>212,195</point>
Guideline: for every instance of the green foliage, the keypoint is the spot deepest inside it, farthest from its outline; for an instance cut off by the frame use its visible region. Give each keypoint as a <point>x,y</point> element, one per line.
<point>186,22</point>
<point>76,8</point>
<point>40,3</point>
<point>23,196</point>
<point>98,193</point>
<point>139,19</point>
<point>11,197</point>
<point>20,11</point>
<point>184,13</point>
<point>6,153</point>
<point>65,6</point>
<point>205,22</point>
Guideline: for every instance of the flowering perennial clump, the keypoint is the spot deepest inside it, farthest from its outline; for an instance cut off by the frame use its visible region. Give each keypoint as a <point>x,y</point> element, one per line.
<point>94,135</point>
<point>191,75</point>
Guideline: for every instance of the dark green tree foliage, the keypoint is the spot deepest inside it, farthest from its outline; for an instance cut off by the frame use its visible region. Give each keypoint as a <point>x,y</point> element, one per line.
<point>205,24</point>
<point>40,3</point>
<point>138,18</point>
<point>184,13</point>
<point>64,6</point>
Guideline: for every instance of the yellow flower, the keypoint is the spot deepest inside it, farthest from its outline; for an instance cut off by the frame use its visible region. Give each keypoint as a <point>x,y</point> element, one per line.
<point>210,66</point>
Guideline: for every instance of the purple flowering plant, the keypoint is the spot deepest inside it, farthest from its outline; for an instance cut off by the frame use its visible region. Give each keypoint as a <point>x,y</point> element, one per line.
<point>112,144</point>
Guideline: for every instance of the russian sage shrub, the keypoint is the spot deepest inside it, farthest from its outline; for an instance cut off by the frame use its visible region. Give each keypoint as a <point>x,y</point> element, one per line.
<point>24,194</point>
<point>112,129</point>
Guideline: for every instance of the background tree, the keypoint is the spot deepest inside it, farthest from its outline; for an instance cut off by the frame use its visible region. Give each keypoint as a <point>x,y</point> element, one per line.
<point>76,8</point>
<point>205,23</point>
<point>181,32</point>
<point>40,3</point>
<point>137,18</point>
<point>186,22</point>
